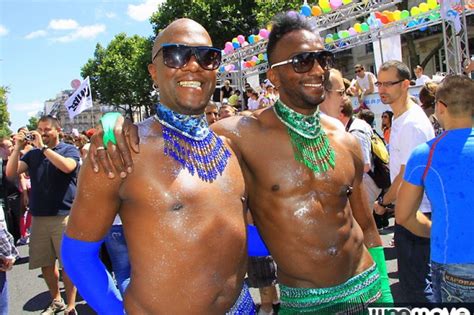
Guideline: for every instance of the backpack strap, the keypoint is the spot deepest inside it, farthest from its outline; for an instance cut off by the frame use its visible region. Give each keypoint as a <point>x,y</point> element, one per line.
<point>430,155</point>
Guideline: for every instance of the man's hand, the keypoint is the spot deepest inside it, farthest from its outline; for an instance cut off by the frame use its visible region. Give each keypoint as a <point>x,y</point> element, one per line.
<point>6,263</point>
<point>126,135</point>
<point>379,209</point>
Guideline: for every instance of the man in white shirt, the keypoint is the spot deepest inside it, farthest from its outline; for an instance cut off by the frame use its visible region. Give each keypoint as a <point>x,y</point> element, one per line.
<point>410,127</point>
<point>364,83</point>
<point>421,78</point>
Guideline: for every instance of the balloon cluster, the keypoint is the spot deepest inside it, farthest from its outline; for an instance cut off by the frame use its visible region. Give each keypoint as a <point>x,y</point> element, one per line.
<point>241,41</point>
<point>249,63</point>
<point>378,19</point>
<point>323,7</point>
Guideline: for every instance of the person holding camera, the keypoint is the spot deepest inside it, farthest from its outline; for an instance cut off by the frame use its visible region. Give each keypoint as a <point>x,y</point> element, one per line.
<point>53,167</point>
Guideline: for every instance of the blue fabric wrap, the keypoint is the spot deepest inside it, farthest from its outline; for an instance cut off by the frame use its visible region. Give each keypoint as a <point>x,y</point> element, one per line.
<point>255,244</point>
<point>88,273</point>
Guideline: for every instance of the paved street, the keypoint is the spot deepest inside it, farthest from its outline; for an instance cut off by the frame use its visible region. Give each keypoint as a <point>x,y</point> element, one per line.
<point>28,293</point>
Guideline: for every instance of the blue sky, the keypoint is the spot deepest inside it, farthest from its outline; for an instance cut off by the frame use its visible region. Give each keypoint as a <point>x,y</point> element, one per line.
<point>44,44</point>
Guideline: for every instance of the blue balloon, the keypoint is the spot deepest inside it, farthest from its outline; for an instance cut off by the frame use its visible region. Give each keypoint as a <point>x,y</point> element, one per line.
<point>251,39</point>
<point>411,24</point>
<point>306,10</point>
<point>236,45</point>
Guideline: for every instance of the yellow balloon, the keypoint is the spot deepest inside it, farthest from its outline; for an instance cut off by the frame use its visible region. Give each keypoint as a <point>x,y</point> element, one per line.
<point>432,4</point>
<point>358,28</point>
<point>397,15</point>
<point>415,11</point>
<point>424,7</point>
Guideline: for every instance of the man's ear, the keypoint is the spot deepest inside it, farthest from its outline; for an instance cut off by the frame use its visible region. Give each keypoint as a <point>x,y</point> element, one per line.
<point>273,77</point>
<point>152,71</point>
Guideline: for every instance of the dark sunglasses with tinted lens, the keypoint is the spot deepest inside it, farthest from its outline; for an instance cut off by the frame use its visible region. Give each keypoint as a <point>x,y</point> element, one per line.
<point>177,56</point>
<point>358,70</point>
<point>304,62</point>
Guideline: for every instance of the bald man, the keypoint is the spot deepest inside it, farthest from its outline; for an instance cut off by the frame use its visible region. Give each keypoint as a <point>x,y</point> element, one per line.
<point>183,218</point>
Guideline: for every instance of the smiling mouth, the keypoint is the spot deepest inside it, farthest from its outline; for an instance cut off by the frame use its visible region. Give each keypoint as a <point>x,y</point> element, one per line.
<point>190,84</point>
<point>313,85</point>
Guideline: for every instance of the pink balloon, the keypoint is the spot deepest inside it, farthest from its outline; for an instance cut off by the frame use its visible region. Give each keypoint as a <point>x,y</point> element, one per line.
<point>352,31</point>
<point>75,84</point>
<point>263,33</point>
<point>241,38</point>
<point>335,4</point>
<point>244,44</point>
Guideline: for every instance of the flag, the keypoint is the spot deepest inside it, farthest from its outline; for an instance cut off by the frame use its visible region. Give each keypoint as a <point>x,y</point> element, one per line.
<point>450,11</point>
<point>79,100</point>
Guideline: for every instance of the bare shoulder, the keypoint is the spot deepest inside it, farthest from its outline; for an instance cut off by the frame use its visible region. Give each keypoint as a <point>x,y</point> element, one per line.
<point>336,131</point>
<point>235,127</point>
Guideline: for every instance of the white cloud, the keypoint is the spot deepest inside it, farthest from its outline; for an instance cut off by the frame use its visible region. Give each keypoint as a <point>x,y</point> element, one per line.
<point>142,12</point>
<point>82,32</point>
<point>3,30</point>
<point>36,34</point>
<point>110,15</point>
<point>101,14</point>
<point>32,107</point>
<point>63,24</point>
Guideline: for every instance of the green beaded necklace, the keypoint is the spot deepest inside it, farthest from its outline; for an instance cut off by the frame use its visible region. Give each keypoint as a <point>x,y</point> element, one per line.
<point>310,143</point>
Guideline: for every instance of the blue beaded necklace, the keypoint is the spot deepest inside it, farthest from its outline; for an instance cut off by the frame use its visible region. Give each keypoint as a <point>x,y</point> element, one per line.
<point>190,142</point>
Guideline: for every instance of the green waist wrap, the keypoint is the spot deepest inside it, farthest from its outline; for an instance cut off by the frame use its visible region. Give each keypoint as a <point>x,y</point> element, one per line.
<point>350,297</point>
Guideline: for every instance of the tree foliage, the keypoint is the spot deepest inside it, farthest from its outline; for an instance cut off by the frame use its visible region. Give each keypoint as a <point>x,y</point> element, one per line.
<point>4,115</point>
<point>119,75</point>
<point>224,19</point>
<point>32,123</point>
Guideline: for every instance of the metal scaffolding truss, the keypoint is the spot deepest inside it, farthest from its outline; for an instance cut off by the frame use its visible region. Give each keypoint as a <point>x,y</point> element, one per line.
<point>456,46</point>
<point>352,11</point>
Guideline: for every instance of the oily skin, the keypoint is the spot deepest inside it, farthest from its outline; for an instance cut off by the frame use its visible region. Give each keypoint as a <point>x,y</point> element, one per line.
<point>174,222</point>
<point>305,218</point>
<point>317,226</point>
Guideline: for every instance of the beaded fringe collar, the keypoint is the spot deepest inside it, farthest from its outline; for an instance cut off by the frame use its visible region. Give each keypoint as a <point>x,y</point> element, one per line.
<point>310,143</point>
<point>189,141</point>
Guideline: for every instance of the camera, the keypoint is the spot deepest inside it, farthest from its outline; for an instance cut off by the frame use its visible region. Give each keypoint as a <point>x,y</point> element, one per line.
<point>29,137</point>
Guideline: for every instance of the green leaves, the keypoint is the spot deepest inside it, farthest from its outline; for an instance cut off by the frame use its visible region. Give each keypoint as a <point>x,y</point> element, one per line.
<point>4,115</point>
<point>119,75</point>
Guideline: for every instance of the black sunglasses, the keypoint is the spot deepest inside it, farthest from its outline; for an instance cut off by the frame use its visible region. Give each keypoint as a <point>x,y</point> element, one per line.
<point>304,62</point>
<point>177,56</point>
<point>388,83</point>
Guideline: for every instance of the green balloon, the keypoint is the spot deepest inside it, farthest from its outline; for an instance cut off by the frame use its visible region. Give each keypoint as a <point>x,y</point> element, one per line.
<point>335,36</point>
<point>365,27</point>
<point>405,14</point>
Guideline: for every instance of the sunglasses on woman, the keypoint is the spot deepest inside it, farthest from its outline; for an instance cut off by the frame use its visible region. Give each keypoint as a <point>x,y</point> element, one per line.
<point>304,62</point>
<point>177,56</point>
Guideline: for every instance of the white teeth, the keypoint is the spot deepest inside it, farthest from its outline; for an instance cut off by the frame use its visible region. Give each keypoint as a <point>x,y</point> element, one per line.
<point>191,84</point>
<point>312,85</point>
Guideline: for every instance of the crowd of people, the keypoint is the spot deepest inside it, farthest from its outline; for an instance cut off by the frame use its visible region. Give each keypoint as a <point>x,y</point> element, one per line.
<point>214,196</point>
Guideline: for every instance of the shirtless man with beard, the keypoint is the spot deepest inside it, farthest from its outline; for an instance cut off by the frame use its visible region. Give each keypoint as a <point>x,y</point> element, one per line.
<point>183,215</point>
<point>303,175</point>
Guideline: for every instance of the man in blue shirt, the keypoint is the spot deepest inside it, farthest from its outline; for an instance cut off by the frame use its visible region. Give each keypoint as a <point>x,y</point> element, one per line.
<point>441,167</point>
<point>53,168</point>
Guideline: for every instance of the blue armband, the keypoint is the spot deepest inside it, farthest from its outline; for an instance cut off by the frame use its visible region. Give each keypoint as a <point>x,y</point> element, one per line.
<point>255,244</point>
<point>88,273</point>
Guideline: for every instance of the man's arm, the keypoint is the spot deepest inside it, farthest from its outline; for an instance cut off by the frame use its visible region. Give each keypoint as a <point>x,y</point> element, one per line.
<point>16,167</point>
<point>358,200</point>
<point>96,204</point>
<point>64,164</point>
<point>406,210</point>
<point>363,215</point>
<point>392,192</point>
<point>371,88</point>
